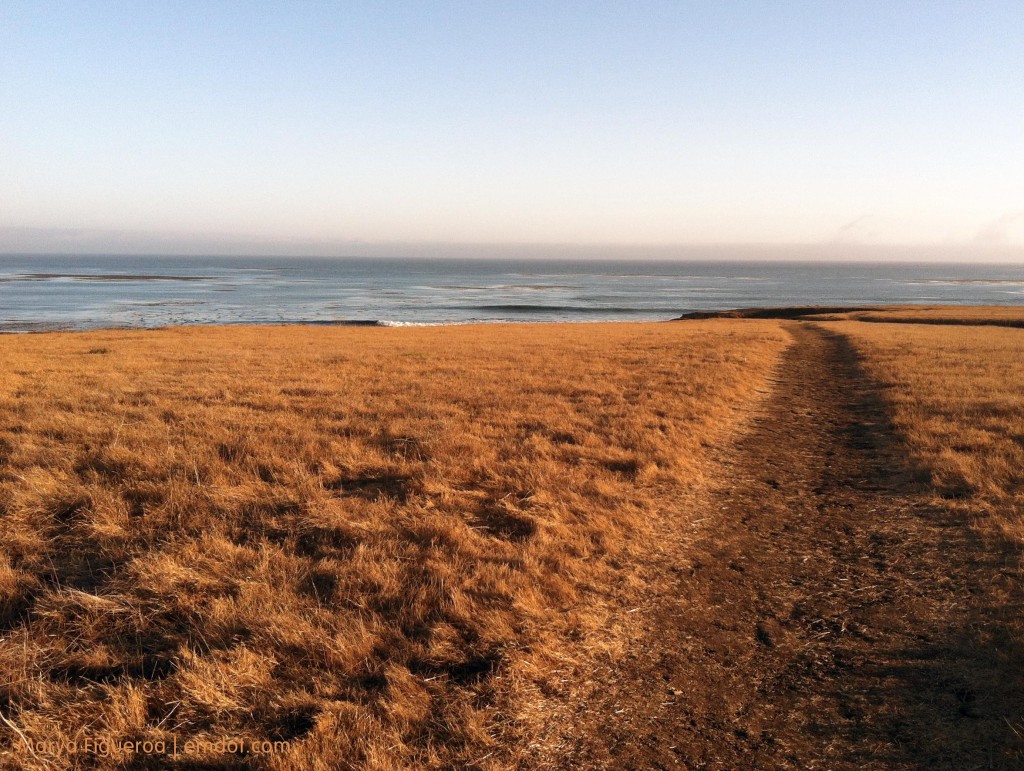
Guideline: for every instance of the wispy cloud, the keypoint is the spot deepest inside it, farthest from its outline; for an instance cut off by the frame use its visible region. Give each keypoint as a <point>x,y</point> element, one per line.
<point>1001,230</point>
<point>857,230</point>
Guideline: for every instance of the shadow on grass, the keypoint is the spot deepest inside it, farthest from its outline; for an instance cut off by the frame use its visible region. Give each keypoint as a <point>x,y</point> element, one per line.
<point>953,695</point>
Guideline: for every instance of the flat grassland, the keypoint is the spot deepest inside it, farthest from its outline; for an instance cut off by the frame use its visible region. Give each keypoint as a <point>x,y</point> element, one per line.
<point>369,545</point>
<point>956,396</point>
<point>953,387</point>
<point>957,315</point>
<point>421,547</point>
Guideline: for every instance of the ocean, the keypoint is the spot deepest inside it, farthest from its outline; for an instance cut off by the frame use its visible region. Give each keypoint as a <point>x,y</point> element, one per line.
<point>83,292</point>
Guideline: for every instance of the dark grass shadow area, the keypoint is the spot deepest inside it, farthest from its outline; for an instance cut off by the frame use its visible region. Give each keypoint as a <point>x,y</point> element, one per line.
<point>853,313</point>
<point>790,312</point>
<point>942,687</point>
<point>944,321</point>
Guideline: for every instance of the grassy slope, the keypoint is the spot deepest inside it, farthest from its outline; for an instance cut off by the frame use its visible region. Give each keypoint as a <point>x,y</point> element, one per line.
<point>367,542</point>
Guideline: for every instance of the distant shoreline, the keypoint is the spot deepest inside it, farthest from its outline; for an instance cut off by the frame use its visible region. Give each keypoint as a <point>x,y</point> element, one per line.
<point>47,293</point>
<point>922,313</point>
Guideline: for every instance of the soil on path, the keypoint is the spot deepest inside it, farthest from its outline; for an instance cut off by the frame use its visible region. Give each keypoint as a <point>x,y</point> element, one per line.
<point>829,614</point>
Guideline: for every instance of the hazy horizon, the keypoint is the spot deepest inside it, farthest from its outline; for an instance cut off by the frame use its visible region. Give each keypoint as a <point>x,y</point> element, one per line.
<point>245,129</point>
<point>95,244</point>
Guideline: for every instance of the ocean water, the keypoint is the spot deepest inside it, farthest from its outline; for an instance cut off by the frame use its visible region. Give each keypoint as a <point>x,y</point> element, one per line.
<point>43,292</point>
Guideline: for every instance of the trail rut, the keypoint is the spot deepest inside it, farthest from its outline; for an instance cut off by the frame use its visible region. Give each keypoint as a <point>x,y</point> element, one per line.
<point>830,614</point>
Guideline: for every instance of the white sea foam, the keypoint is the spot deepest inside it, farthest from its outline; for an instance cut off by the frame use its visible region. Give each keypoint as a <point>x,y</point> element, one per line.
<point>391,323</point>
<point>89,292</point>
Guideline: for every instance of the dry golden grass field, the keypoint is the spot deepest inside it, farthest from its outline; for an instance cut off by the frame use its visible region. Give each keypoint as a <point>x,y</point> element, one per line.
<point>954,389</point>
<point>965,315</point>
<point>953,385</point>
<point>956,395</point>
<point>421,547</point>
<point>365,545</point>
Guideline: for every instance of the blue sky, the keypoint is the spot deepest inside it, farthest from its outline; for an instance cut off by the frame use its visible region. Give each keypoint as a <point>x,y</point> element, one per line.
<point>619,122</point>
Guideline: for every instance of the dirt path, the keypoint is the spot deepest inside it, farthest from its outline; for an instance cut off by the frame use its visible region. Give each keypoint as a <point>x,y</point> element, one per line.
<point>829,614</point>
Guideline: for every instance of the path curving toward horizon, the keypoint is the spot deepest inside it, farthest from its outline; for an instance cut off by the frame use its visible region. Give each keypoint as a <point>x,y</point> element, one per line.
<point>829,614</point>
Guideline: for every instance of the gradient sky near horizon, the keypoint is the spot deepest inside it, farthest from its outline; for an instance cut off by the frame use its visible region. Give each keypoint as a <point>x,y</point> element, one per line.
<point>597,122</point>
